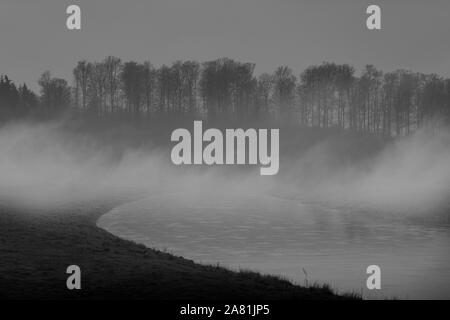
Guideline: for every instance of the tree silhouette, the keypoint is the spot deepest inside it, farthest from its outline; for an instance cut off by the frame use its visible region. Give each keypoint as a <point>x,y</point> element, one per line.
<point>325,95</point>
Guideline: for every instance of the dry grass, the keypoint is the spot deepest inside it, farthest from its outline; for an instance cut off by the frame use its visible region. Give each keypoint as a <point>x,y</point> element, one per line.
<point>36,248</point>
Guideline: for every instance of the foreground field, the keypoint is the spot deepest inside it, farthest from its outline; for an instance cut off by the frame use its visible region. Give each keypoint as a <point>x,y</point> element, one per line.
<point>37,247</point>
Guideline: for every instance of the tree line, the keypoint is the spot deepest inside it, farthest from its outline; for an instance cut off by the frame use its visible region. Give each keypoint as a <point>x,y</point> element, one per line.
<point>325,95</point>
<point>16,102</point>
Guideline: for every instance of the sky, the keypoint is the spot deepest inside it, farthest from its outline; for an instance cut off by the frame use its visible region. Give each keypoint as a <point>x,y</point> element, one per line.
<point>270,33</point>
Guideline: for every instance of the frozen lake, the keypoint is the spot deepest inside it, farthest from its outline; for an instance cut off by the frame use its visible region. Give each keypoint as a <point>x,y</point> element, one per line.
<point>283,237</point>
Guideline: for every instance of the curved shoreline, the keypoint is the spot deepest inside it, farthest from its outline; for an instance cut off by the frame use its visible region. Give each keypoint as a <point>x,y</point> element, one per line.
<point>37,248</point>
<point>201,264</point>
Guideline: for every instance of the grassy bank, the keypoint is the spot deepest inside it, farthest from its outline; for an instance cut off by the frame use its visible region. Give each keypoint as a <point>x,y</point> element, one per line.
<point>36,248</point>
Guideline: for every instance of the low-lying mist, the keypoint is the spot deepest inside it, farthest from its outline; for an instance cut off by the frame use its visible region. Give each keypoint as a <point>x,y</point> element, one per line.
<point>44,165</point>
<point>405,175</point>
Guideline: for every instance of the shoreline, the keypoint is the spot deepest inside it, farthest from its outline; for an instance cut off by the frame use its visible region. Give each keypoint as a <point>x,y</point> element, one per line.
<point>38,247</point>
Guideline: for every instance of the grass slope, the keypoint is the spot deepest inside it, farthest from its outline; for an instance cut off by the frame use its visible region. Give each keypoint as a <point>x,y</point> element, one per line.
<point>36,248</point>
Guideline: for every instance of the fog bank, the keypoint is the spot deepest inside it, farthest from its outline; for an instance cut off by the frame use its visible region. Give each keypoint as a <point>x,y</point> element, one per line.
<point>43,164</point>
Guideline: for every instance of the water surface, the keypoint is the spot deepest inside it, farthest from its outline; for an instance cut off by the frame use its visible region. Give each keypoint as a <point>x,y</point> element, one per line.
<point>302,242</point>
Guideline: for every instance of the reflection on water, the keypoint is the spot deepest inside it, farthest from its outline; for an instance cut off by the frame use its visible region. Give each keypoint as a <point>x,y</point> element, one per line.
<point>278,236</point>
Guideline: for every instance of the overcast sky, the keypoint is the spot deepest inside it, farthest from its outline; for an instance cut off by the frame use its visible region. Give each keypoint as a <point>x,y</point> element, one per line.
<point>298,33</point>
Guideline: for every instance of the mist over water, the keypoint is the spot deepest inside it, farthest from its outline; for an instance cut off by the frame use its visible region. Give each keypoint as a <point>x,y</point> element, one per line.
<point>407,175</point>
<point>48,163</point>
<point>333,209</point>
